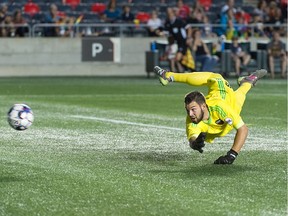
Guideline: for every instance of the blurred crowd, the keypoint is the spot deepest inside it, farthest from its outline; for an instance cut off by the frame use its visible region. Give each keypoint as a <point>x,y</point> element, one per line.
<point>213,17</point>
<point>183,23</point>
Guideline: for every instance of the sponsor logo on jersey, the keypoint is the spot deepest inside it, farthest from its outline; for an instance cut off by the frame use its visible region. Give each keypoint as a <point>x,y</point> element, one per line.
<point>219,122</point>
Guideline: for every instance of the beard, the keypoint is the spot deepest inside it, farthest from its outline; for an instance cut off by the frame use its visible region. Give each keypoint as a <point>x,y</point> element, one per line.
<point>198,118</point>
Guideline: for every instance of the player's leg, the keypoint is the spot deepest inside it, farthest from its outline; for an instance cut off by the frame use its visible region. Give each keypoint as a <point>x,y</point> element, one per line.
<point>240,95</point>
<point>252,78</point>
<point>237,64</point>
<point>246,83</point>
<point>271,66</point>
<point>283,65</point>
<point>195,79</point>
<point>178,58</point>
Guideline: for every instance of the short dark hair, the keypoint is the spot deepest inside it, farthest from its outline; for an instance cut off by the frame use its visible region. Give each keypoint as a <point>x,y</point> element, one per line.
<point>196,96</point>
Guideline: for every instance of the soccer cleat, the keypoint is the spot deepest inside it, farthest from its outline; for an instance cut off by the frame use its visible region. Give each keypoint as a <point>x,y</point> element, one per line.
<point>162,76</point>
<point>252,78</point>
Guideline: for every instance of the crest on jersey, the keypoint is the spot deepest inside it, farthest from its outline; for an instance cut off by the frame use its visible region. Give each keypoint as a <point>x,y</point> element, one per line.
<point>229,121</point>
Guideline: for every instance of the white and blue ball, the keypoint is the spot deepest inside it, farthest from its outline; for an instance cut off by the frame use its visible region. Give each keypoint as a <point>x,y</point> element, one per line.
<point>20,116</point>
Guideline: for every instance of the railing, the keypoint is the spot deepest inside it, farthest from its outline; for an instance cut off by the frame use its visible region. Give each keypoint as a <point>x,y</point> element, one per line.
<point>119,27</point>
<point>37,29</point>
<point>13,28</point>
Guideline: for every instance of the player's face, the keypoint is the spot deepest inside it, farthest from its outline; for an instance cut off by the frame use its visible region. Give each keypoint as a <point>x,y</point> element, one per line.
<point>195,112</point>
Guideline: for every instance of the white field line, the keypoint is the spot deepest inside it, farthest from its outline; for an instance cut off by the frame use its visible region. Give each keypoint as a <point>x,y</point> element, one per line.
<point>230,135</point>
<point>126,122</point>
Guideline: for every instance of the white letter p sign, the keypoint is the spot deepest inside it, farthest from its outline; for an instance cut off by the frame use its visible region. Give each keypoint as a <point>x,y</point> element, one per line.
<point>96,48</point>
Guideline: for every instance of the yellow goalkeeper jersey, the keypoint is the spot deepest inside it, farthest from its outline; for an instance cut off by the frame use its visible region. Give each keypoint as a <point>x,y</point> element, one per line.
<point>224,114</point>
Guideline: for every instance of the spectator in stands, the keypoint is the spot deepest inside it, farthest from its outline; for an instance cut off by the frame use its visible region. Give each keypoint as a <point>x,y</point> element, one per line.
<point>197,7</point>
<point>155,27</point>
<point>67,29</point>
<point>207,30</point>
<point>127,16</point>
<point>111,13</point>
<point>52,18</point>
<point>19,20</point>
<point>176,28</point>
<point>225,16</point>
<point>244,16</point>
<point>202,53</point>
<point>193,22</point>
<point>182,10</point>
<point>229,5</point>
<point>231,30</point>
<point>284,9</point>
<point>170,52</point>
<point>274,18</point>
<point>276,49</point>
<point>3,12</point>
<point>261,10</point>
<point>242,28</point>
<point>239,55</point>
<point>258,26</point>
<point>8,30</point>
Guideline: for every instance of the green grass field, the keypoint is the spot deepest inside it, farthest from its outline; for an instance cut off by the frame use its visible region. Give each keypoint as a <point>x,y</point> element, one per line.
<point>117,146</point>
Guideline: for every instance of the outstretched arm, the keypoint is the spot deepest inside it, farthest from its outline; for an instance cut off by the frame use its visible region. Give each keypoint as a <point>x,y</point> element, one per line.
<point>197,143</point>
<point>239,141</point>
<point>240,138</point>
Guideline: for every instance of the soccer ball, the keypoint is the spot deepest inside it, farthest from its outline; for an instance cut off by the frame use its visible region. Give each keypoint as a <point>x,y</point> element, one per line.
<point>20,116</point>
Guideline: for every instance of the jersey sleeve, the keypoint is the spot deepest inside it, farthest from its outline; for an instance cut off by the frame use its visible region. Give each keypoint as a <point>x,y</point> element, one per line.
<point>231,117</point>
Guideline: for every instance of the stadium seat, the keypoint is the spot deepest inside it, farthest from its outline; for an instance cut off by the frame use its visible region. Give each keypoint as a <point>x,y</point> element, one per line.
<point>83,8</point>
<point>248,8</point>
<point>123,2</point>
<point>206,4</point>
<point>64,8</point>
<point>72,3</point>
<point>98,8</point>
<point>171,3</point>
<point>31,8</point>
<point>265,61</point>
<point>37,18</point>
<point>255,62</point>
<point>91,18</point>
<point>140,32</point>
<point>238,3</point>
<point>93,1</point>
<point>143,17</point>
<point>219,2</point>
<point>138,2</point>
<point>61,13</point>
<point>14,6</point>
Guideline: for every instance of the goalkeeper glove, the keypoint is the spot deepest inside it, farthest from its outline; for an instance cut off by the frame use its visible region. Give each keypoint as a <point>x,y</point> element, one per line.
<point>198,144</point>
<point>228,158</point>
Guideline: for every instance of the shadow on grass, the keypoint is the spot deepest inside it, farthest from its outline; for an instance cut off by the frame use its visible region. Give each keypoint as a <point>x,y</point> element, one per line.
<point>158,158</point>
<point>206,170</point>
<point>9,179</point>
<point>188,164</point>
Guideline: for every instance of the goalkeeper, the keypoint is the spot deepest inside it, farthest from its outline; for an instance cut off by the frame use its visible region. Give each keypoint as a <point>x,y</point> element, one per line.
<point>217,113</point>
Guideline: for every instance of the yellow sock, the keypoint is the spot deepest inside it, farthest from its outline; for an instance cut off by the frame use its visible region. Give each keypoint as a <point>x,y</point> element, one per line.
<point>195,78</point>
<point>244,88</point>
<point>240,94</point>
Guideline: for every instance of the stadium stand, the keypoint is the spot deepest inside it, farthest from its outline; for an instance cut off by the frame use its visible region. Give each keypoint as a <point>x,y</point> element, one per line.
<point>212,7</point>
<point>89,12</point>
<point>97,7</point>
<point>31,8</point>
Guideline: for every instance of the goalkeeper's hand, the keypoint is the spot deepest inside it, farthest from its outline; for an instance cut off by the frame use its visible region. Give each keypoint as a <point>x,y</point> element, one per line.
<point>228,158</point>
<point>198,143</point>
